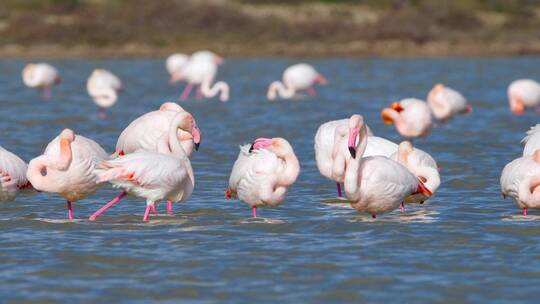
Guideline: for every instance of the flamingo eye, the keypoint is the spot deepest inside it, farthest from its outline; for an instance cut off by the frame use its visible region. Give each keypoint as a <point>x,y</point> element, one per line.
<point>423,179</point>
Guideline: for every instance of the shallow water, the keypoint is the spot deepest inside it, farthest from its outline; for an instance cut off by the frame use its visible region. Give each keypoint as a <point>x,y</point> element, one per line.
<point>466,244</point>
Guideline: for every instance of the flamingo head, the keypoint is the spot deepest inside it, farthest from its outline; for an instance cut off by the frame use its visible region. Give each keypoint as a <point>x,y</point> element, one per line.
<point>320,79</point>
<point>260,143</point>
<point>196,134</point>
<point>516,106</point>
<point>356,124</point>
<point>388,113</point>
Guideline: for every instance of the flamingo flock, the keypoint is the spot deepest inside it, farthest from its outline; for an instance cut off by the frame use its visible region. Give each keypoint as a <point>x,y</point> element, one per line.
<point>152,157</point>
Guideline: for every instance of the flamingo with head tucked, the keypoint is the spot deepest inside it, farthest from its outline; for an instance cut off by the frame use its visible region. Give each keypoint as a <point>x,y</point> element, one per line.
<point>412,117</point>
<point>331,153</point>
<point>446,102</point>
<point>200,71</point>
<point>375,184</point>
<point>174,65</point>
<point>522,94</point>
<point>520,180</point>
<point>12,175</point>
<point>66,167</point>
<point>298,77</point>
<point>164,174</point>
<point>263,173</point>
<point>42,76</point>
<point>423,166</point>
<point>104,87</point>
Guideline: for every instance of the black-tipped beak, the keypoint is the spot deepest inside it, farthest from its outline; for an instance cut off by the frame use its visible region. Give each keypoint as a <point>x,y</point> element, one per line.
<point>251,148</point>
<point>421,202</point>
<point>352,151</point>
<point>197,146</point>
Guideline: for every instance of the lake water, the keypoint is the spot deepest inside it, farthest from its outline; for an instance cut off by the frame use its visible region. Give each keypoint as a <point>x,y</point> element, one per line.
<point>466,244</point>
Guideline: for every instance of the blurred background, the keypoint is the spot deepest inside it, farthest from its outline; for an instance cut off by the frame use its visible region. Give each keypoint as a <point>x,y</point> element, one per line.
<point>124,28</point>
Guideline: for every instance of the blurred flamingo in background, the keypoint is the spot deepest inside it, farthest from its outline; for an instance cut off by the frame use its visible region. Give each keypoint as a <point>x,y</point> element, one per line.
<point>66,167</point>
<point>522,94</point>
<point>263,173</point>
<point>104,87</point>
<point>174,64</point>
<point>164,174</point>
<point>446,102</point>
<point>411,116</point>
<point>296,78</point>
<point>375,184</point>
<point>12,175</point>
<point>41,76</point>
<point>200,71</point>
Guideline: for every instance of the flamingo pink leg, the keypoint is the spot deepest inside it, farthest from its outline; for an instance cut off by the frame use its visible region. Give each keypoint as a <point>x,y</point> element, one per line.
<point>102,113</point>
<point>199,93</point>
<point>169,208</point>
<point>94,216</point>
<point>70,211</point>
<point>153,209</point>
<point>339,190</point>
<point>402,207</point>
<point>147,213</point>
<point>524,211</point>
<point>254,211</point>
<point>185,93</point>
<point>311,91</point>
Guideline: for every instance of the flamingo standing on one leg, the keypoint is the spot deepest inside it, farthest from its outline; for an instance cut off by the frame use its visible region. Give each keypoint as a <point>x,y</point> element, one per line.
<point>423,166</point>
<point>165,174</point>
<point>520,180</point>
<point>104,87</point>
<point>522,94</point>
<point>375,184</point>
<point>411,116</point>
<point>66,167</point>
<point>297,77</point>
<point>42,76</point>
<point>263,173</point>
<point>446,102</point>
<point>12,175</point>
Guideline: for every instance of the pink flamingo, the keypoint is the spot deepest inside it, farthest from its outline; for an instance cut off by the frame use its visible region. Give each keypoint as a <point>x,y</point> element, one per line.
<point>66,167</point>
<point>297,77</point>
<point>263,173</point>
<point>520,180</point>
<point>446,102</point>
<point>42,76</point>
<point>165,174</point>
<point>522,94</point>
<point>104,87</point>
<point>411,116</point>
<point>174,64</point>
<point>12,175</point>
<point>376,184</point>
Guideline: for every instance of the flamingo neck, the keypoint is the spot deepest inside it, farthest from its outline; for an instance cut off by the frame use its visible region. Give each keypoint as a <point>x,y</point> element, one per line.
<point>279,88</point>
<point>220,87</point>
<point>352,182</point>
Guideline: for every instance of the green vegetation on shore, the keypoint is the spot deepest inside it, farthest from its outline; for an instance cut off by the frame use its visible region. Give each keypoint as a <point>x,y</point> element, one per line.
<point>264,27</point>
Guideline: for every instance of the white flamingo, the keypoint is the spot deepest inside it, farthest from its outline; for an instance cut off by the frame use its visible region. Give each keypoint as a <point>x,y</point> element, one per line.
<point>42,76</point>
<point>297,77</point>
<point>446,102</point>
<point>520,180</point>
<point>531,140</point>
<point>522,94</point>
<point>263,173</point>
<point>153,175</point>
<point>174,65</point>
<point>104,87</point>
<point>12,175</point>
<point>411,116</point>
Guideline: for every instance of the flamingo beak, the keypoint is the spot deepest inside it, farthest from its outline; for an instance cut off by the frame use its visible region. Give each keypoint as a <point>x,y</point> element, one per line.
<point>396,106</point>
<point>228,194</point>
<point>260,143</point>
<point>386,117</point>
<point>422,189</point>
<point>196,134</point>
<point>353,136</point>
<point>219,60</point>
<point>320,79</point>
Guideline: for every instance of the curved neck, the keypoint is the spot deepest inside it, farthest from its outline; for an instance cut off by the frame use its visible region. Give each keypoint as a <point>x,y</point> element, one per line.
<point>169,143</point>
<point>352,183</point>
<point>527,190</point>
<point>65,156</point>
<point>220,87</point>
<point>292,168</point>
<point>279,88</point>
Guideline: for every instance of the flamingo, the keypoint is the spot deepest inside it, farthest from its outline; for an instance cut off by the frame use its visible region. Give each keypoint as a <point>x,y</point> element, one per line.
<point>42,76</point>
<point>532,140</point>
<point>411,116</point>
<point>103,86</point>
<point>297,77</point>
<point>146,132</point>
<point>66,167</point>
<point>520,180</point>
<point>200,70</point>
<point>446,102</point>
<point>421,165</point>
<point>263,173</point>
<point>175,63</point>
<point>331,158</point>
<point>12,175</point>
<point>522,94</point>
<point>163,174</point>
<point>375,184</point>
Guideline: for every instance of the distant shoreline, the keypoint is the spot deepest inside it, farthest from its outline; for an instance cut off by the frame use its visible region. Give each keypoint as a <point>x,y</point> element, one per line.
<point>383,49</point>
